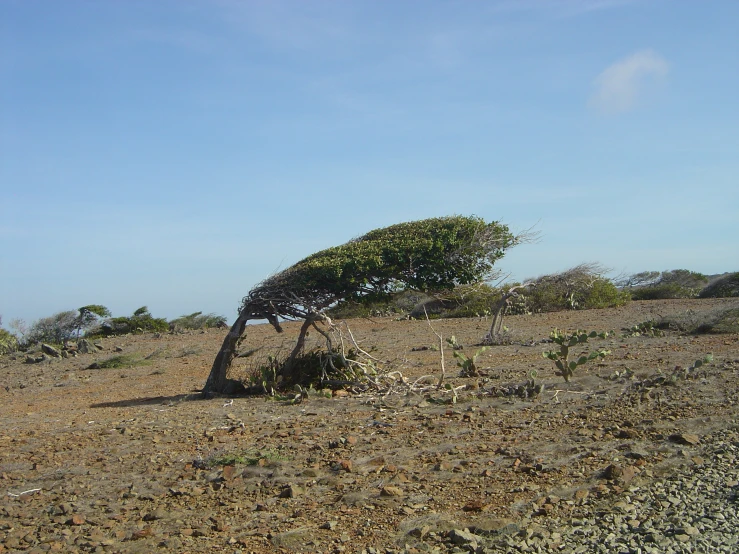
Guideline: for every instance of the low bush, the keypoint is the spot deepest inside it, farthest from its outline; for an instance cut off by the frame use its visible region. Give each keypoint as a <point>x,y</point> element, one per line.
<point>664,291</point>
<point>141,321</point>
<point>471,300</point>
<point>721,321</point>
<point>604,294</point>
<point>580,288</point>
<point>197,320</point>
<point>8,342</point>
<point>674,284</point>
<point>726,286</point>
<point>54,329</point>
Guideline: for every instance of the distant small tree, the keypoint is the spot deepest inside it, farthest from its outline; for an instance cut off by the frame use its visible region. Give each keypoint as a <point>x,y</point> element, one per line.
<point>20,328</point>
<point>89,316</point>
<point>55,329</point>
<point>428,255</point>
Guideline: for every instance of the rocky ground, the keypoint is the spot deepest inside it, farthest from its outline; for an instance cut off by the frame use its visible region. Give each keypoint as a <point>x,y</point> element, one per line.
<point>638,453</point>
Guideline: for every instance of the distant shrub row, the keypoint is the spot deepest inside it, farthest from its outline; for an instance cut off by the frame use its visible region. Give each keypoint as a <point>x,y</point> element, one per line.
<point>581,288</point>
<point>680,283</point>
<point>95,321</point>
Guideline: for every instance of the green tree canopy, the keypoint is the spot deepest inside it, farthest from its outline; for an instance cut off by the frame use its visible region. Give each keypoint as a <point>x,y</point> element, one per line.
<point>88,316</point>
<point>428,255</point>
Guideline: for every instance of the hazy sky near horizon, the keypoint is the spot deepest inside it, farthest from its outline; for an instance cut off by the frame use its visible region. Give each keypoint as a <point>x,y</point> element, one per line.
<point>173,153</point>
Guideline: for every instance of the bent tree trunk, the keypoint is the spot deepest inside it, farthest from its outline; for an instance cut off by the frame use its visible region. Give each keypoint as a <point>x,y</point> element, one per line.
<point>218,382</point>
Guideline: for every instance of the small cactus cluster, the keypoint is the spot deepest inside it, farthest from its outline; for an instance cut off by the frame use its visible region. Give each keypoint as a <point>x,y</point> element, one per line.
<point>566,341</point>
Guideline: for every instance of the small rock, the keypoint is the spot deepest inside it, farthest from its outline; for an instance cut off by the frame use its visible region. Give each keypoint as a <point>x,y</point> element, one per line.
<point>291,491</point>
<point>156,514</point>
<point>51,351</point>
<point>76,520</point>
<point>628,474</point>
<point>637,454</point>
<point>685,438</point>
<point>229,472</point>
<point>474,506</point>
<point>613,472</point>
<point>85,346</point>
<point>343,465</point>
<point>463,536</point>
<point>390,490</point>
<point>143,533</point>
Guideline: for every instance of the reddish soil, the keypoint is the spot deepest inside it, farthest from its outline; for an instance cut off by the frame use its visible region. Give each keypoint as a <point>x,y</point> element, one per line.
<point>125,460</point>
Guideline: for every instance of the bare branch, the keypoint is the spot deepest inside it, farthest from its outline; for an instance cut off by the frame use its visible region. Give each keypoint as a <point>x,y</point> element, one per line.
<point>441,349</point>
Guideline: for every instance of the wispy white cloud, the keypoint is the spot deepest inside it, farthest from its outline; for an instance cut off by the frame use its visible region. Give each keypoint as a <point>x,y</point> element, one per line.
<point>620,87</point>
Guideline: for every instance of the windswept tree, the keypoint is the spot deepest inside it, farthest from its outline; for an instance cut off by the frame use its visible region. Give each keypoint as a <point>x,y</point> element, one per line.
<point>430,255</point>
<point>89,316</point>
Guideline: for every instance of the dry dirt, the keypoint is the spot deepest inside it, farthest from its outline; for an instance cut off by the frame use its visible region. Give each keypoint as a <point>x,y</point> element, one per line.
<point>126,460</point>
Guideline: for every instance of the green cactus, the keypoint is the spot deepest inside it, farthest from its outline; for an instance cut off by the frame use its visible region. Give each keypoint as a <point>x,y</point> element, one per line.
<point>561,357</point>
<point>469,365</point>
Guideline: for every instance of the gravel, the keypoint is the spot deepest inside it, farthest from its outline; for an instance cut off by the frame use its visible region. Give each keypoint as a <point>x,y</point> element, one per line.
<point>693,509</point>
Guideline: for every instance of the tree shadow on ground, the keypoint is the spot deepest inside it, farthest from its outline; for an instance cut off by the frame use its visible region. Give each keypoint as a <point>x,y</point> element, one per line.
<point>150,401</point>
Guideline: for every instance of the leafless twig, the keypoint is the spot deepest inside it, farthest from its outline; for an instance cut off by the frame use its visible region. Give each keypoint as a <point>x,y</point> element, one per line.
<point>441,349</point>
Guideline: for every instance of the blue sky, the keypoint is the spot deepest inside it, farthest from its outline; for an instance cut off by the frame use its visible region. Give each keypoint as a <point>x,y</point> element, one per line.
<point>173,153</point>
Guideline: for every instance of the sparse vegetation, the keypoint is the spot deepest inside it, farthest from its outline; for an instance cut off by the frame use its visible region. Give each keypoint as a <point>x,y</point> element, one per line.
<point>720,320</point>
<point>566,341</point>
<point>54,329</point>
<point>8,341</point>
<point>644,329</point>
<point>579,288</point>
<point>726,286</point>
<point>141,321</point>
<point>89,316</point>
<point>468,365</point>
<point>653,285</point>
<point>197,320</point>
<point>454,343</point>
<point>508,428</point>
